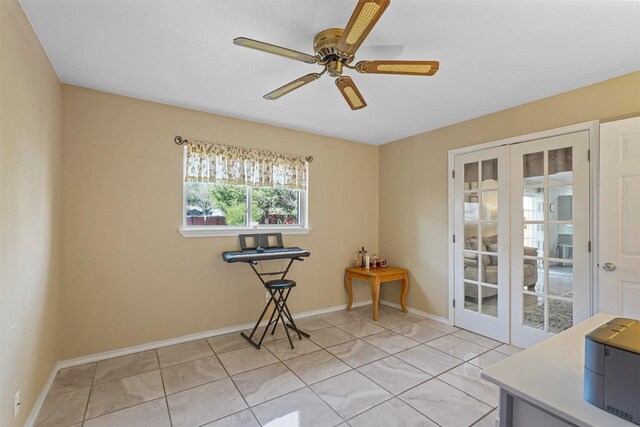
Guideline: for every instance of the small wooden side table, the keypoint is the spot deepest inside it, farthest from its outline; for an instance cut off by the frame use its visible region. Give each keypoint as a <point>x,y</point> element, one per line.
<point>376,276</point>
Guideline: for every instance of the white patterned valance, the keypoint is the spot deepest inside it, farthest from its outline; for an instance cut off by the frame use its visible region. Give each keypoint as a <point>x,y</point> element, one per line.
<point>225,164</point>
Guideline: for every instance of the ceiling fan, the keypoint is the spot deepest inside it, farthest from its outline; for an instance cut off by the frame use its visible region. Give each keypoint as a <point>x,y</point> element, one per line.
<point>335,49</point>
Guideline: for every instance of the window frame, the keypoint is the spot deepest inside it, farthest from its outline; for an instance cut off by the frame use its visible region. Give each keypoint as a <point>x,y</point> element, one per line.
<point>230,230</point>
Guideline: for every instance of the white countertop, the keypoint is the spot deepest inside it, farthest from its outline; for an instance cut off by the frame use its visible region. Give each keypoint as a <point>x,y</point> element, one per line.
<point>550,375</point>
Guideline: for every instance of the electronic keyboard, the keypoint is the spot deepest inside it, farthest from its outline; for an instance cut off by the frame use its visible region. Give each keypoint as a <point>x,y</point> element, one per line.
<point>263,247</point>
<point>260,254</point>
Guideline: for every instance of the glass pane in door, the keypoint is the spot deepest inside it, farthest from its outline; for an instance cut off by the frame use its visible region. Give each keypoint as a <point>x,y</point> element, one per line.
<point>489,234</point>
<point>561,203</point>
<point>533,204</point>
<point>561,166</point>
<point>490,205</point>
<point>471,176</point>
<point>561,241</point>
<point>560,315</point>
<point>533,240</point>
<point>561,280</point>
<point>490,174</point>
<point>533,168</point>
<point>489,300</point>
<point>471,266</point>
<point>471,296</point>
<point>533,276</point>
<point>471,206</point>
<point>470,236</point>
<point>533,311</point>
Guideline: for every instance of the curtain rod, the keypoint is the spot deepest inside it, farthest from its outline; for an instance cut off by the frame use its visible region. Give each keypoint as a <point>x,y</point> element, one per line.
<point>181,141</point>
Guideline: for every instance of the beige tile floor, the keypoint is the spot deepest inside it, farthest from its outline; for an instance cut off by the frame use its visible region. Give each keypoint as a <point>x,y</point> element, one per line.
<point>403,370</point>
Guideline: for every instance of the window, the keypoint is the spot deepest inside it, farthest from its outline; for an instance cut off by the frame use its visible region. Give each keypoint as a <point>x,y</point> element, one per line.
<point>239,206</point>
<point>229,190</point>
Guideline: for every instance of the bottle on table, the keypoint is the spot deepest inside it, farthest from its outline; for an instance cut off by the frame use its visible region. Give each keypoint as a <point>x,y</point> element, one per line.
<point>363,254</point>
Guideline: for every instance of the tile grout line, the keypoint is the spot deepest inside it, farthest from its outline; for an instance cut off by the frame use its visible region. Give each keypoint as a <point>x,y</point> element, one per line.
<point>164,389</point>
<point>460,390</point>
<point>206,383</point>
<point>482,417</point>
<point>223,367</point>
<point>235,385</point>
<point>430,379</point>
<point>392,396</point>
<point>305,384</point>
<point>460,364</point>
<point>442,373</point>
<point>333,376</point>
<point>86,407</point>
<point>132,406</point>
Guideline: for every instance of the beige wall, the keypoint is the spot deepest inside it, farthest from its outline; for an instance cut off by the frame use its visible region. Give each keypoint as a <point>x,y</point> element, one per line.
<point>30,101</point>
<point>413,178</point>
<point>130,278</point>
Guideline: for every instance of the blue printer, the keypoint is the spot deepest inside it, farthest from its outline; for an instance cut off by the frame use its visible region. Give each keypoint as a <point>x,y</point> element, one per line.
<point>612,368</point>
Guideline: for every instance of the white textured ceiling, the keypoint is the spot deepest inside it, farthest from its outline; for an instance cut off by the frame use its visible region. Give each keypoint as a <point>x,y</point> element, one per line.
<point>493,55</point>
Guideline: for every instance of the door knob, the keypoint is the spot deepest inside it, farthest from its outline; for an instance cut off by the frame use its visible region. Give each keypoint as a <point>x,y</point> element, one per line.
<point>609,266</point>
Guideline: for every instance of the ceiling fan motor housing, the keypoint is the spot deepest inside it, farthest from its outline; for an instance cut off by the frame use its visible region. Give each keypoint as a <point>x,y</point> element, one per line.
<point>325,46</point>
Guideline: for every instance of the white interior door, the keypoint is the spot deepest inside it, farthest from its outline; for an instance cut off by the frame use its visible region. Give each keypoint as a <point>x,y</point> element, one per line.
<point>619,264</point>
<point>481,257</point>
<point>549,180</point>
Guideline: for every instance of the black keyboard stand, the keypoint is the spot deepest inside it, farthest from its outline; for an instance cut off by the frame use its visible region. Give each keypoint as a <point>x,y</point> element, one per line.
<point>279,291</point>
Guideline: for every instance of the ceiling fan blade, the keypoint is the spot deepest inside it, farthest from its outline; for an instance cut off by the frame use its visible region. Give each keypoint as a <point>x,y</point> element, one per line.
<point>414,68</point>
<point>350,92</point>
<point>275,50</point>
<point>364,17</point>
<point>291,86</point>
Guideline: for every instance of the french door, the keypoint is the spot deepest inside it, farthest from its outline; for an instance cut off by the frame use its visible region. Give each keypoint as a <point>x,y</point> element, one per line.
<point>521,221</point>
<point>482,249</point>
<point>549,236</point>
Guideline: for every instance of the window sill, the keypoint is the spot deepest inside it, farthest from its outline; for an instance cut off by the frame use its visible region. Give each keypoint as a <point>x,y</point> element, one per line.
<point>235,231</point>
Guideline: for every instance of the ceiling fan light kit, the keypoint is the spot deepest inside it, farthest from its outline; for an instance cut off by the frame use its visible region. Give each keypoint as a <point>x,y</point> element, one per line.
<point>335,49</point>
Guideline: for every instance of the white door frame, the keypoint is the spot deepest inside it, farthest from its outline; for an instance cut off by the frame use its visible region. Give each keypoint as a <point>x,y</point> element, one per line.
<point>593,127</point>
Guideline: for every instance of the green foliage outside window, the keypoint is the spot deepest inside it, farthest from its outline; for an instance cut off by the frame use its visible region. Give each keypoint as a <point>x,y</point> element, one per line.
<point>198,197</point>
<point>232,200</point>
<point>268,205</point>
<point>274,206</point>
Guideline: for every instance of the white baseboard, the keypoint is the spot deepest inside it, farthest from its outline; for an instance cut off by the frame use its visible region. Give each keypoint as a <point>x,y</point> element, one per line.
<point>179,340</point>
<point>33,416</point>
<point>185,338</point>
<point>418,312</point>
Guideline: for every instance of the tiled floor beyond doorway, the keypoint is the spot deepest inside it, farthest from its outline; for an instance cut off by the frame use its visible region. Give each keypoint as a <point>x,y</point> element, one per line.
<point>403,370</point>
